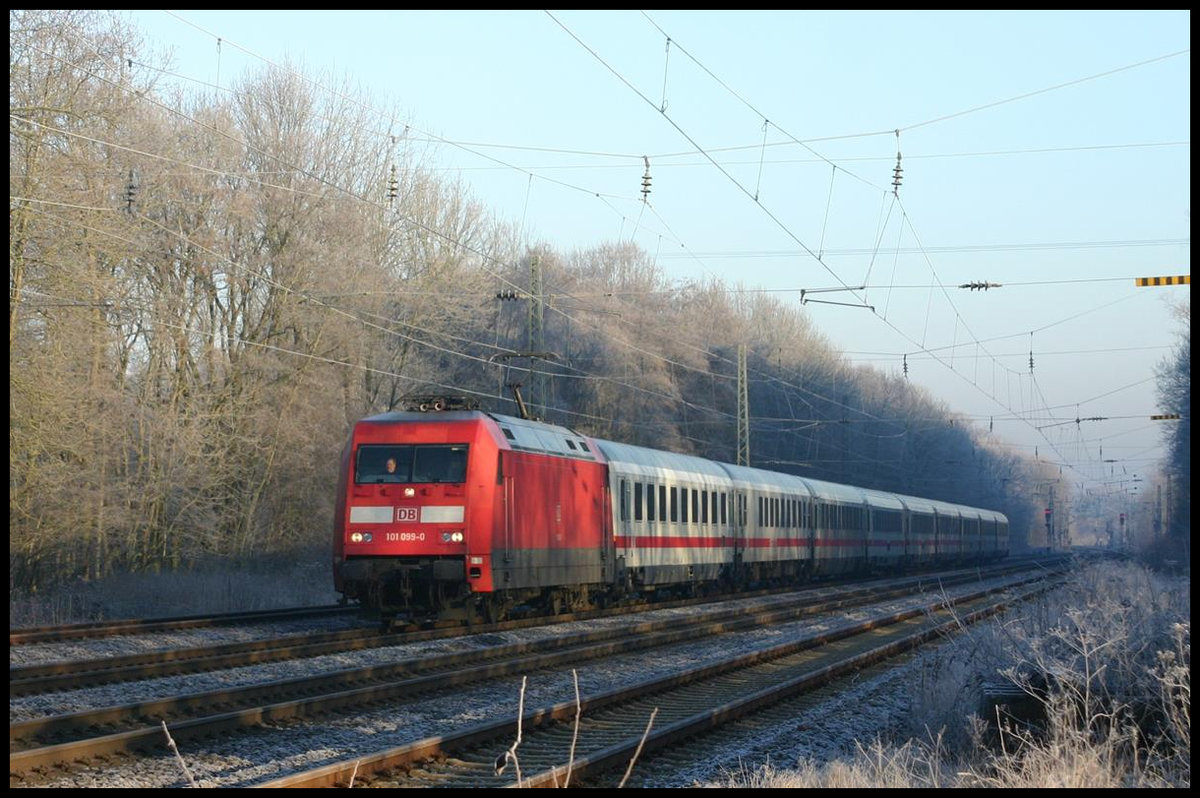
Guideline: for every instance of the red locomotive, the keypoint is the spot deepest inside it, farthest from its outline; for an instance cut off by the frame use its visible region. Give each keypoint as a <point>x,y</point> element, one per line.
<point>461,514</point>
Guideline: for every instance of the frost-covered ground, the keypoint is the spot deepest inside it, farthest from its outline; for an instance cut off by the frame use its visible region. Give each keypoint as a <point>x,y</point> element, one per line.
<point>248,758</point>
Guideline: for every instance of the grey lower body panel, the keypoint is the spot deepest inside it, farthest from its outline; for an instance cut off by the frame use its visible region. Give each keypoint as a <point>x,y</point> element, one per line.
<point>536,568</point>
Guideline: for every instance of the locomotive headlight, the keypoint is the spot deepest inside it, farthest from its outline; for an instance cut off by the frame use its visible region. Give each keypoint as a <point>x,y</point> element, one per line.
<point>452,537</point>
<point>356,537</point>
<point>410,492</point>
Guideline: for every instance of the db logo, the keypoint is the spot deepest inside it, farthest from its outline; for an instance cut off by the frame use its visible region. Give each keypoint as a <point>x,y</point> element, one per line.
<point>406,514</point>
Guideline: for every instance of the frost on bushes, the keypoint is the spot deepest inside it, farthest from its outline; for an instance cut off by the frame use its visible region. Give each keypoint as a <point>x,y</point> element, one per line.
<point>1108,658</point>
<point>1112,667</point>
<point>1102,644</point>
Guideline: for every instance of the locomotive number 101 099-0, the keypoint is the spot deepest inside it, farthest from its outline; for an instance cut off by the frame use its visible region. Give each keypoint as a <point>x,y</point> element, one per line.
<point>405,537</point>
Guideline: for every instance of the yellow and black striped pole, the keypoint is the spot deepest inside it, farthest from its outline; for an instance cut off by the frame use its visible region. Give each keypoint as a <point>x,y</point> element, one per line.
<point>1183,279</point>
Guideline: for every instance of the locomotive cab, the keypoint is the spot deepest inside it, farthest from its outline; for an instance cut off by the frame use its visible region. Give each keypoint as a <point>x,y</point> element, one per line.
<point>411,489</point>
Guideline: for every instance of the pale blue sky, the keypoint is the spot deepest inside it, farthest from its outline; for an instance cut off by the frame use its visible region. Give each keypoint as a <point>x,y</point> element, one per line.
<point>1049,147</point>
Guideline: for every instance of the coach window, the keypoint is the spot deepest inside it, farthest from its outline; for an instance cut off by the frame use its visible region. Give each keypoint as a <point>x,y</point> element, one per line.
<point>683,513</point>
<point>637,501</point>
<point>695,506</point>
<point>650,503</point>
<point>724,521</point>
<point>714,506</point>
<point>662,503</point>
<point>704,507</point>
<point>624,500</point>
<point>674,504</point>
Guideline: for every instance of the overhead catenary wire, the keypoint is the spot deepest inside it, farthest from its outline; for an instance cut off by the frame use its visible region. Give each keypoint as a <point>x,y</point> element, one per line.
<point>531,179</point>
<point>701,150</point>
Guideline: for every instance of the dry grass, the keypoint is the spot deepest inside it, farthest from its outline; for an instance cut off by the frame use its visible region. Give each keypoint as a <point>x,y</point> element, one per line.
<point>305,581</point>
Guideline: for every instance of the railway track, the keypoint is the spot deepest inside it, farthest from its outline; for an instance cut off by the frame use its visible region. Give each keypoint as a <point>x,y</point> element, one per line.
<point>82,631</point>
<point>54,741</point>
<point>27,680</point>
<point>652,715</point>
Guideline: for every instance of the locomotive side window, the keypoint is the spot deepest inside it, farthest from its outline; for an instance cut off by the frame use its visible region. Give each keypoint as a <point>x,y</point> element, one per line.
<point>404,464</point>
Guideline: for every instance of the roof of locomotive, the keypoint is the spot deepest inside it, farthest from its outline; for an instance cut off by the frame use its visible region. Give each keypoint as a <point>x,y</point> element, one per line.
<point>538,436</point>
<point>398,416</point>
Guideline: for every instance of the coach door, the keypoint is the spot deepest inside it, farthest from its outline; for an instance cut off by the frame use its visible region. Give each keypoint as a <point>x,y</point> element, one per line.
<point>739,532</point>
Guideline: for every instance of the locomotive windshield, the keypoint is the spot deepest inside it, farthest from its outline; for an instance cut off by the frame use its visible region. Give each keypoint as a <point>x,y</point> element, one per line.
<point>408,464</point>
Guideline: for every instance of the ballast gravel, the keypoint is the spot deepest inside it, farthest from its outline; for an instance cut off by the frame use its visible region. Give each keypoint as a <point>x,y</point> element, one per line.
<point>272,751</point>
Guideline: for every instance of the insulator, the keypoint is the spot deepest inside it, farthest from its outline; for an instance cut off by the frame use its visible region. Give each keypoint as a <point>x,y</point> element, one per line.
<point>130,193</point>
